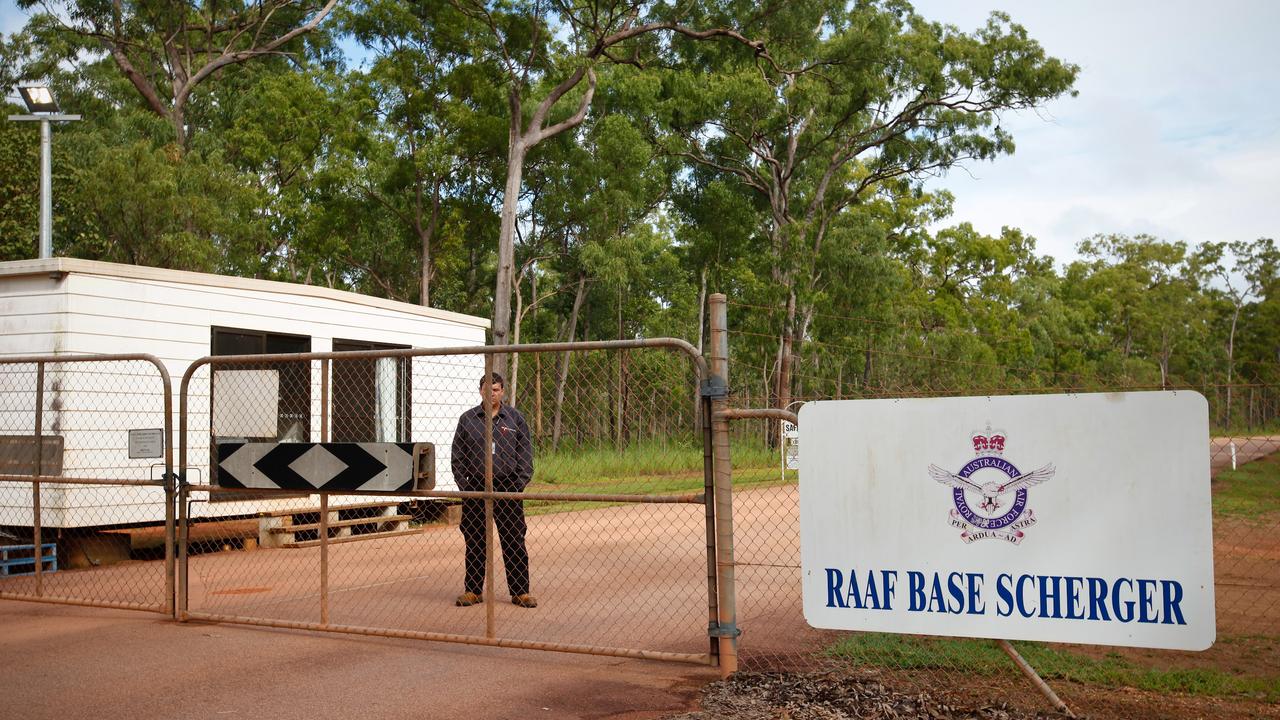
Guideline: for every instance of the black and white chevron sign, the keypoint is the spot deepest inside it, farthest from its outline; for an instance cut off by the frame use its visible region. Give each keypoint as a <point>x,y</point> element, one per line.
<point>347,467</point>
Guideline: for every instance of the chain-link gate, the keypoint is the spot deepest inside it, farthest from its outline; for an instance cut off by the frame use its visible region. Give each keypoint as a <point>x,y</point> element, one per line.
<point>86,482</point>
<point>618,518</point>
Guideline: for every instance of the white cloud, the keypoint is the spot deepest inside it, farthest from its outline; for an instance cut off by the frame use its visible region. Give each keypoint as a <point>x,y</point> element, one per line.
<point>1174,132</point>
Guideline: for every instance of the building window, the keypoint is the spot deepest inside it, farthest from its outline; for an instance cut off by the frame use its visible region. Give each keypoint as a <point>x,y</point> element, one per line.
<point>370,395</point>
<point>259,402</point>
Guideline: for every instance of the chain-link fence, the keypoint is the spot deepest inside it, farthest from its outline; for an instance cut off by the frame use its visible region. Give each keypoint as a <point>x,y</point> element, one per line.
<point>597,490</point>
<point>1243,664</point>
<point>85,502</point>
<point>613,510</point>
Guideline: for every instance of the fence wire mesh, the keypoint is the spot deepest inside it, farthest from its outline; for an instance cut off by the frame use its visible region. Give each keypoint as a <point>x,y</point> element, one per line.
<point>101,540</point>
<point>1244,662</point>
<point>606,428</point>
<point>607,572</point>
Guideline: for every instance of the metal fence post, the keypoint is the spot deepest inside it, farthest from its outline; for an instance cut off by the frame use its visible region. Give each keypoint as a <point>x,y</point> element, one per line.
<point>36,531</point>
<point>180,602</point>
<point>486,386</point>
<point>708,495</point>
<point>170,522</point>
<point>324,497</point>
<point>726,630</point>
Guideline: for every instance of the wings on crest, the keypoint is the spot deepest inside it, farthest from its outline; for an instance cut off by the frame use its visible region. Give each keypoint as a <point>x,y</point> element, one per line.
<point>1035,477</point>
<point>949,478</point>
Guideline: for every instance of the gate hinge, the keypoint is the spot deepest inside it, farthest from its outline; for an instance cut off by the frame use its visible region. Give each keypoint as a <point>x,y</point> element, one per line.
<point>718,630</point>
<point>715,388</point>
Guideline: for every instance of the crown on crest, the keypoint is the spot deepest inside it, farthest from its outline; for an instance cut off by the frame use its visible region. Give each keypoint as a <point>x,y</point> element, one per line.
<point>990,442</point>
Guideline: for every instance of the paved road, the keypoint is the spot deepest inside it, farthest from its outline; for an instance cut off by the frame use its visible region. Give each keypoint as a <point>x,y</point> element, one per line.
<point>1247,448</point>
<point>63,662</point>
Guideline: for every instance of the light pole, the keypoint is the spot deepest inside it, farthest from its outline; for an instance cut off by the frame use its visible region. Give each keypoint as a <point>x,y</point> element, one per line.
<point>44,109</point>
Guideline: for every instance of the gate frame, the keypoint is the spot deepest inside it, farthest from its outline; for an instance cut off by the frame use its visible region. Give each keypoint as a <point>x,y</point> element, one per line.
<point>716,497</point>
<point>167,606</point>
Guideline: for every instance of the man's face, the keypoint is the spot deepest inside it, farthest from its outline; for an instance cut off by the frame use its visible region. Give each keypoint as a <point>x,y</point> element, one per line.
<point>495,395</point>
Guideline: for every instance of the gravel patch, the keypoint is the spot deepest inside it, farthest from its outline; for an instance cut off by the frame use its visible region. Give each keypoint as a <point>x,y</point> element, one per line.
<point>834,696</point>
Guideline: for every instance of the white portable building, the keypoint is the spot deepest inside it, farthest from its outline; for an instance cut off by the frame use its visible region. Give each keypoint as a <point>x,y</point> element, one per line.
<point>64,306</point>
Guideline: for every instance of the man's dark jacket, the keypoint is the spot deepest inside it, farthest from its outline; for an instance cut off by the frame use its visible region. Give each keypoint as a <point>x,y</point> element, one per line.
<point>513,456</point>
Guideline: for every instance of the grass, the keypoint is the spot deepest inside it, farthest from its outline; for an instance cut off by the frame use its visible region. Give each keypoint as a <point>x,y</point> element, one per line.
<point>982,657</point>
<point>1252,491</point>
<point>652,468</point>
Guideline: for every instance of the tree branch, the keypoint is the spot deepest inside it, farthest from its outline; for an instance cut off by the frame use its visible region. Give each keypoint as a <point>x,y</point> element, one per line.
<point>539,134</point>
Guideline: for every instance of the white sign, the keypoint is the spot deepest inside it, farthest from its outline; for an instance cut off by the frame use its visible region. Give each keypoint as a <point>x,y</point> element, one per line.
<point>146,443</point>
<point>1065,518</point>
<point>790,446</point>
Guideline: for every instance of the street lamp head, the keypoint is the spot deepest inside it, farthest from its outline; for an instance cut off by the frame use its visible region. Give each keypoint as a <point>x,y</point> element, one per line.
<point>39,98</point>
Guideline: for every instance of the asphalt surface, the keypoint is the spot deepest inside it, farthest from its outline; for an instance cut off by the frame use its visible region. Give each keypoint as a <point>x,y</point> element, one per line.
<point>68,662</point>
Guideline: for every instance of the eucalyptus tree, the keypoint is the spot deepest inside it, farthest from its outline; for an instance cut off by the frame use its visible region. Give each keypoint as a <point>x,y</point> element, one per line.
<point>1253,269</point>
<point>549,52</point>
<point>168,48</point>
<point>1148,290</point>
<point>1260,331</point>
<point>285,134</point>
<point>20,156</point>
<point>436,100</point>
<point>125,192</point>
<point>869,92</point>
<point>592,217</point>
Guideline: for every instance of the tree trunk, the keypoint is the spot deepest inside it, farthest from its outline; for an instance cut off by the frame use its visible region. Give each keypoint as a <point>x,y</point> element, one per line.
<point>178,117</point>
<point>866,368</point>
<point>564,363</point>
<point>506,249</point>
<point>620,437</point>
<point>424,236</point>
<point>518,144</point>
<point>1231,344</point>
<point>697,391</point>
<point>784,366</point>
<point>514,377</point>
<point>537,395</point>
<point>619,428</point>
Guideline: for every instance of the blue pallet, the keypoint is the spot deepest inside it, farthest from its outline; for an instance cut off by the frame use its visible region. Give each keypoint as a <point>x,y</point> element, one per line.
<point>10,565</point>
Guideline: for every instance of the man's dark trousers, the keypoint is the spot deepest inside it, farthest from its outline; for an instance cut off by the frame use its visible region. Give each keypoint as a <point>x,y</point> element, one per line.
<point>508,520</point>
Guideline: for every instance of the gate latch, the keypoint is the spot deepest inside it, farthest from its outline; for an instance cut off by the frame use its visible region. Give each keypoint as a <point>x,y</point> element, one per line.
<point>719,630</point>
<point>715,388</point>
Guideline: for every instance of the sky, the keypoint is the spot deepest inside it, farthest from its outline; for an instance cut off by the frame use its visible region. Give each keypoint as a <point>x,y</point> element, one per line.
<point>1175,131</point>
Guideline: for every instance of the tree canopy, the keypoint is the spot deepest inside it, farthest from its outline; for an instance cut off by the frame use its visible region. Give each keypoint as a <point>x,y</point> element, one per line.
<point>593,170</point>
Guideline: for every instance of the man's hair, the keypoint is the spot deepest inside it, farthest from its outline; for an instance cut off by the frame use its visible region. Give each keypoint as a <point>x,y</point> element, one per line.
<point>494,378</point>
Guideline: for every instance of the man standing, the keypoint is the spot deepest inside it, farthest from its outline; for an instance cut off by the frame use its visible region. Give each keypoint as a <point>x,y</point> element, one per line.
<point>512,469</point>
